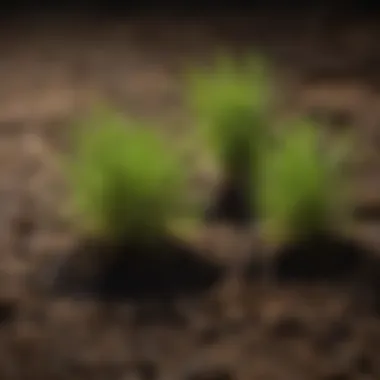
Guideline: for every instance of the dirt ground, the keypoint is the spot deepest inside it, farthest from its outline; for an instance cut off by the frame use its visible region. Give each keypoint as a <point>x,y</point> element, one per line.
<point>230,326</point>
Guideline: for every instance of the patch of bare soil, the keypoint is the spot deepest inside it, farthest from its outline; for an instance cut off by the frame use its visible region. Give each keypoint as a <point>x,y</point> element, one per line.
<point>206,312</point>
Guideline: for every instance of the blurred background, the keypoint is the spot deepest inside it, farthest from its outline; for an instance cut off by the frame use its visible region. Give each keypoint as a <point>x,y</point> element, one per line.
<point>56,57</point>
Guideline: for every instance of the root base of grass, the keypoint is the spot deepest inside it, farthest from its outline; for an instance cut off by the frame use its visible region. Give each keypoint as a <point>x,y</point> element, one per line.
<point>367,212</point>
<point>231,205</point>
<point>135,271</point>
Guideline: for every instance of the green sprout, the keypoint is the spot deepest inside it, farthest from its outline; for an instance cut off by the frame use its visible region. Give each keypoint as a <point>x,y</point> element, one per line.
<point>230,102</point>
<point>126,182</point>
<point>301,191</point>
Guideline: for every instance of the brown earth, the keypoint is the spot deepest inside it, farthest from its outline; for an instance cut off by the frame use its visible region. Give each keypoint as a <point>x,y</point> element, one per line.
<point>238,327</point>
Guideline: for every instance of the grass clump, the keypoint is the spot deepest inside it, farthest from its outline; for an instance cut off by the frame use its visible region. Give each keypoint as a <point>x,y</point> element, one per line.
<point>126,182</point>
<point>230,102</point>
<point>301,191</point>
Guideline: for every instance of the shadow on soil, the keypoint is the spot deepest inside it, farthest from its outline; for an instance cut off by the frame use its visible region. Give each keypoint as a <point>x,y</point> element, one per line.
<point>323,257</point>
<point>318,258</point>
<point>327,259</point>
<point>164,272</point>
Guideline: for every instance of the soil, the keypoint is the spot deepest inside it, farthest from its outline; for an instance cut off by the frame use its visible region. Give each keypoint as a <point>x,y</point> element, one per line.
<point>211,311</point>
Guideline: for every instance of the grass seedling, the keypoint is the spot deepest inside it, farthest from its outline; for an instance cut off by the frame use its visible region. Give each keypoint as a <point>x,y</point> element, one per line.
<point>230,102</point>
<point>126,181</point>
<point>301,191</point>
